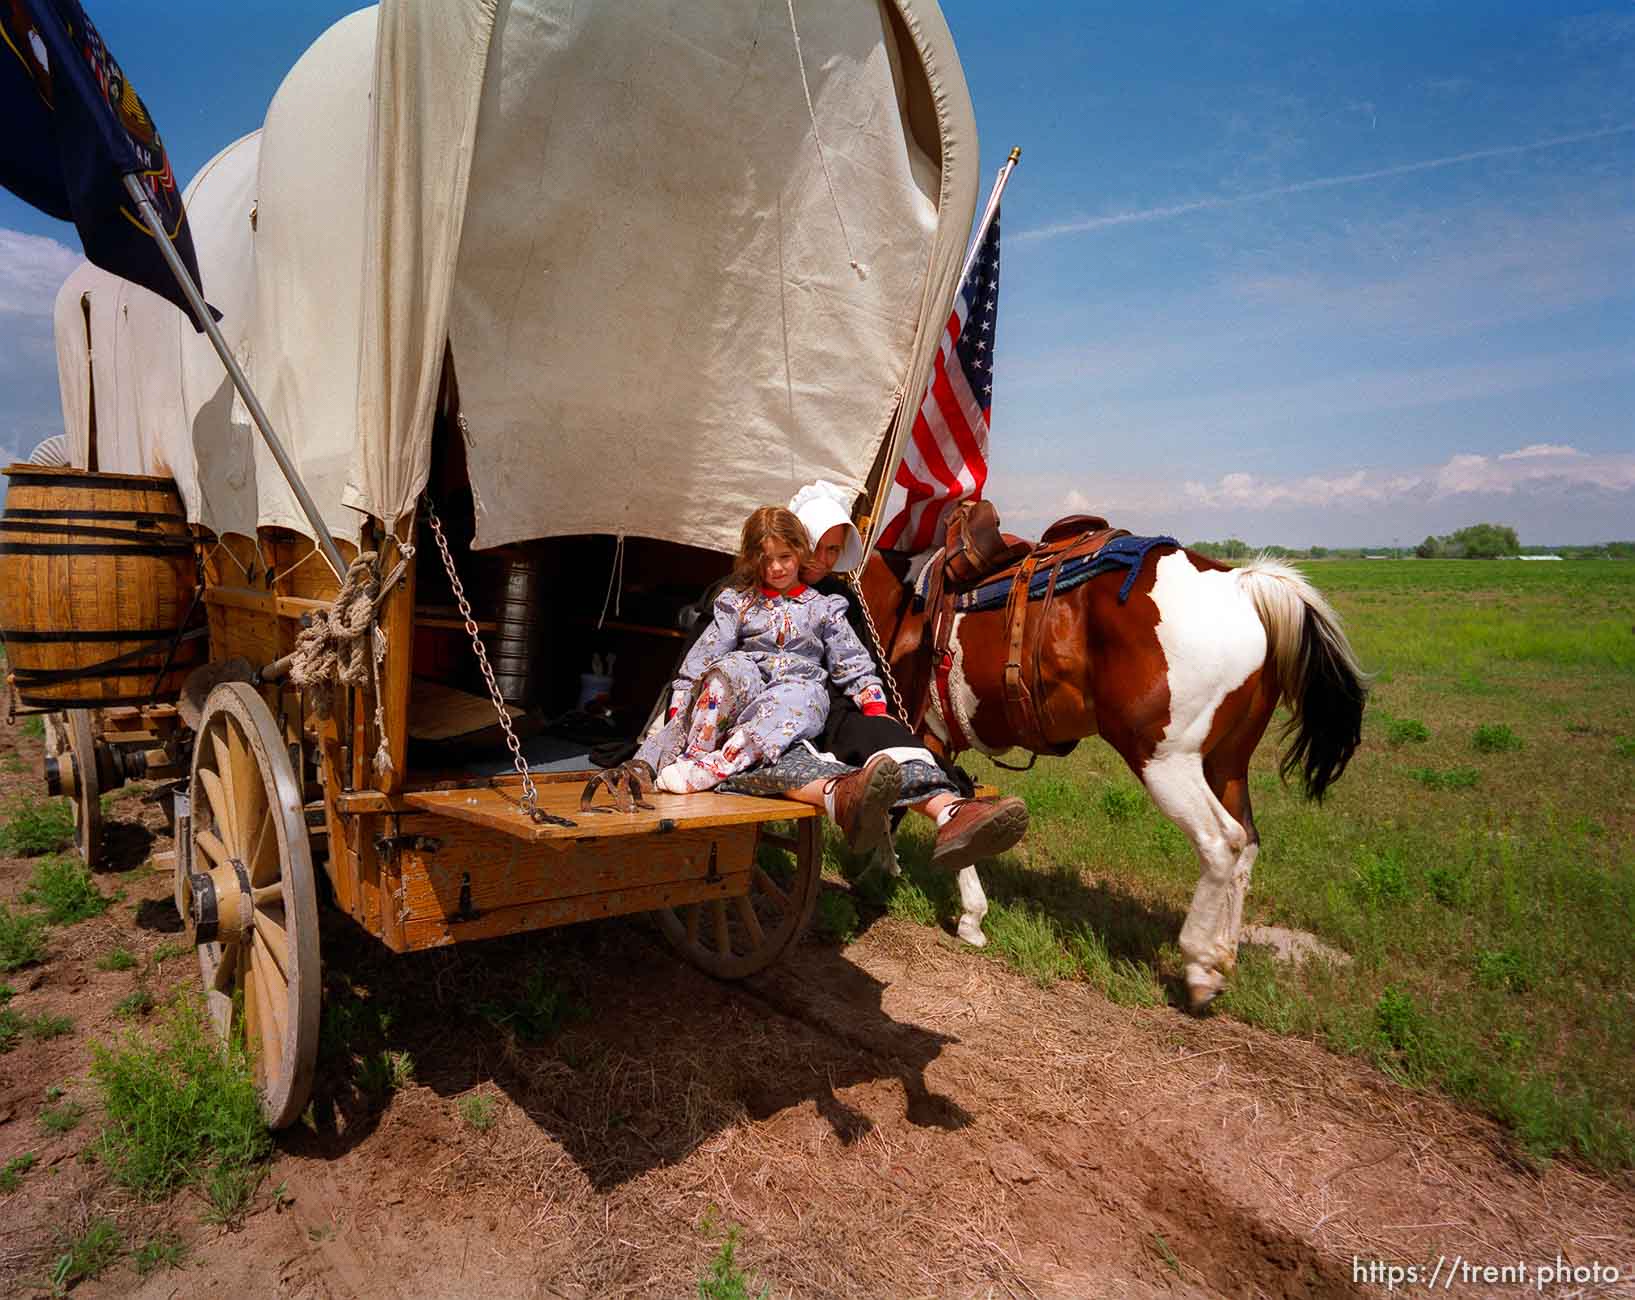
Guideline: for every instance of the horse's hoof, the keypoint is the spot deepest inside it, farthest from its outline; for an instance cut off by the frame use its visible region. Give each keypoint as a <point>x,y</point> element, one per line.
<point>1199,996</point>
<point>970,931</point>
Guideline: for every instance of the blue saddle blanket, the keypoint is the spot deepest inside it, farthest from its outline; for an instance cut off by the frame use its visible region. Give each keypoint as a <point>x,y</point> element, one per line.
<point>1120,553</point>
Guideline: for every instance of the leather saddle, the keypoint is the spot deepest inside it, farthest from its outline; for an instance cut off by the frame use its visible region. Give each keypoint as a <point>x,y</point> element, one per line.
<point>976,550</point>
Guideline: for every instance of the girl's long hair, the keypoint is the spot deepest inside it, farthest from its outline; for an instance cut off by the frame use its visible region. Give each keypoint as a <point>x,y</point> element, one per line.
<point>767,522</point>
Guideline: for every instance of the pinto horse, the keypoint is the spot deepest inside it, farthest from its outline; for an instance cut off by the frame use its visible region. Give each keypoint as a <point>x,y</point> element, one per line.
<point>1181,678</point>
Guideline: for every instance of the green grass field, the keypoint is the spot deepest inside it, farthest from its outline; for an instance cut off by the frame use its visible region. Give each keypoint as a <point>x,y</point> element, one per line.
<point>1477,860</point>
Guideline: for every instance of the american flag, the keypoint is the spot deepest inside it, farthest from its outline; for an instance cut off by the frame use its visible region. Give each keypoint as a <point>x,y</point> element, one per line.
<point>947,457</point>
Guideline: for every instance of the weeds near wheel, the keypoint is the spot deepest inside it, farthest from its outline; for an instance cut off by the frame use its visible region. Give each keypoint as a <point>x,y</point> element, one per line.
<point>182,1109</point>
<point>135,1004</point>
<point>382,1073</point>
<point>13,1172</point>
<point>35,826</point>
<point>545,1007</point>
<point>836,918</point>
<point>86,1255</point>
<point>22,938</point>
<point>43,1028</point>
<point>227,1189</point>
<point>164,1251</point>
<point>63,888</point>
<point>61,1118</point>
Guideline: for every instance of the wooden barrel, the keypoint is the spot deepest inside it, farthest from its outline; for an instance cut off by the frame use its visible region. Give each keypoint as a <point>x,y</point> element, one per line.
<point>98,588</point>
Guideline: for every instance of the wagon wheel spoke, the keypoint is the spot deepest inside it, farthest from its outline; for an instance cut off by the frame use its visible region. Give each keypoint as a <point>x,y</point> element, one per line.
<point>245,785</point>
<point>274,990</point>
<point>250,1023</point>
<point>220,809</point>
<point>227,812</point>
<point>767,885</point>
<point>751,922</point>
<point>262,861</point>
<point>276,941</point>
<point>213,848</point>
<point>81,741</point>
<point>768,911</point>
<point>226,972</point>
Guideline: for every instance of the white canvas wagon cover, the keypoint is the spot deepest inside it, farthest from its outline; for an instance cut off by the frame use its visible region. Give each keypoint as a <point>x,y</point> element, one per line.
<point>687,256</point>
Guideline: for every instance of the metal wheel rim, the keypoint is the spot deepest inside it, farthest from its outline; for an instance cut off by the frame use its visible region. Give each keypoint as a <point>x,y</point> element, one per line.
<point>718,938</point>
<point>88,794</point>
<point>271,974</point>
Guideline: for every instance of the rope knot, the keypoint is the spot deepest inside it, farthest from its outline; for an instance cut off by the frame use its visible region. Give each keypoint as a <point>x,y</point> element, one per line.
<point>341,646</point>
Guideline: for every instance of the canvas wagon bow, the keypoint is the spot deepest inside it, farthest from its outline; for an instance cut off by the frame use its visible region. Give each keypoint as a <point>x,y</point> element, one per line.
<point>597,283</point>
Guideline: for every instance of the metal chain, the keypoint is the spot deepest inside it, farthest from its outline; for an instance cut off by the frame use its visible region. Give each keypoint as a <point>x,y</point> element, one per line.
<point>530,795</point>
<point>879,650</point>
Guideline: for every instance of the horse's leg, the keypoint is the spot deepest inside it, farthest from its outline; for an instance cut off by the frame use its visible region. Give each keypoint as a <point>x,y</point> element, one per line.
<point>1226,768</point>
<point>1209,938</point>
<point>973,905</point>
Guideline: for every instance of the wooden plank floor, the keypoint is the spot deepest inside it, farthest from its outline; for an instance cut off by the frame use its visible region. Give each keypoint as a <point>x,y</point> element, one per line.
<point>499,808</point>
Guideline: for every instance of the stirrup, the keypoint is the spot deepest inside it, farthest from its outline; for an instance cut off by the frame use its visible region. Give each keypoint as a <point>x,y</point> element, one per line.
<point>624,783</point>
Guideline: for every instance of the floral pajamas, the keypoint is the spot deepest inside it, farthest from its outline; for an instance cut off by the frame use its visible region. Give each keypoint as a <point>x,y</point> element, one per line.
<point>755,683</point>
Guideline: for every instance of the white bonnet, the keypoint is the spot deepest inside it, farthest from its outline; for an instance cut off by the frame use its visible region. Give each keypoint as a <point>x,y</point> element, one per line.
<point>820,506</point>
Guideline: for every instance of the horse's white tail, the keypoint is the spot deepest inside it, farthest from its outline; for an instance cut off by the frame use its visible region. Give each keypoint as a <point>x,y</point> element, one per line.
<point>1317,672</point>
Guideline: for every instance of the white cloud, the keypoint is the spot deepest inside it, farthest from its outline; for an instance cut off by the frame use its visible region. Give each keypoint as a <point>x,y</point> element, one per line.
<point>1560,492</point>
<point>1540,449</point>
<point>32,269</point>
<point>1465,473</point>
<point>1171,210</point>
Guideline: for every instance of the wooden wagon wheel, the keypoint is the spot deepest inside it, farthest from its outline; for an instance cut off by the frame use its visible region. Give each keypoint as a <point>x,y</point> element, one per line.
<point>734,937</point>
<point>86,790</point>
<point>249,898</point>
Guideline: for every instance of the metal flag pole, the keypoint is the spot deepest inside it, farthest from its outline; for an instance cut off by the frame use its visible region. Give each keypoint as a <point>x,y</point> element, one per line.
<point>201,313</point>
<point>882,493</point>
<point>992,210</point>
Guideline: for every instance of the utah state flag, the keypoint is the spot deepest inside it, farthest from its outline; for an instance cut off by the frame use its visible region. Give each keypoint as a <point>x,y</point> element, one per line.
<point>74,128</point>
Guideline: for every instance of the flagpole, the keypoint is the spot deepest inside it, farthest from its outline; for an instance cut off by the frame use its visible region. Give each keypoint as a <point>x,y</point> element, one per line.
<point>201,313</point>
<point>992,210</point>
<point>882,493</point>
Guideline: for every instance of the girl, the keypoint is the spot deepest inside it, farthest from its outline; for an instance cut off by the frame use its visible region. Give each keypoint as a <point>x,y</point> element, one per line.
<point>755,682</point>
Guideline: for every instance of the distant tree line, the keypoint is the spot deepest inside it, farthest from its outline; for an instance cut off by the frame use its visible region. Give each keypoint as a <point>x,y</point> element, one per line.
<point>1477,542</point>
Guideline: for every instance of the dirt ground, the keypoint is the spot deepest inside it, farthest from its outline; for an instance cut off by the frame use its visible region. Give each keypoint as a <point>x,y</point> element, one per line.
<point>898,1117</point>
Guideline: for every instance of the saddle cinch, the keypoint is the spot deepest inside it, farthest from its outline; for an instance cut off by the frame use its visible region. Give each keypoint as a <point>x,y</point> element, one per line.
<point>976,553</point>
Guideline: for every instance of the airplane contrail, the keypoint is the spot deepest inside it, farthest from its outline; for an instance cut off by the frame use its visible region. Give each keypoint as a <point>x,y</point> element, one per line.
<point>1321,183</point>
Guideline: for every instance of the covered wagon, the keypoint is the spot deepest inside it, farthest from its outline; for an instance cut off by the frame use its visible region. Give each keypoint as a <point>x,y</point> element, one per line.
<point>544,299</point>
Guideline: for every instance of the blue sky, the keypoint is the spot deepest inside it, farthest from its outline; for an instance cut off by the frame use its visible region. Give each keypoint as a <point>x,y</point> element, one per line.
<point>1289,272</point>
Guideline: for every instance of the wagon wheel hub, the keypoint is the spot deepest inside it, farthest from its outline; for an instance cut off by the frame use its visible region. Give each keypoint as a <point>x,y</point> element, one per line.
<point>61,776</point>
<point>219,903</point>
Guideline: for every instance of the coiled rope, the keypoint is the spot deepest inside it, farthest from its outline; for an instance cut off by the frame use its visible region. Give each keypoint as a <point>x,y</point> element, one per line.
<point>343,646</point>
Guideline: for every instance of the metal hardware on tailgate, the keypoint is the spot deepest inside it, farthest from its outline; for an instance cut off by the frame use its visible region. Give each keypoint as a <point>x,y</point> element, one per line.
<point>465,911</point>
<point>387,845</point>
<point>712,876</point>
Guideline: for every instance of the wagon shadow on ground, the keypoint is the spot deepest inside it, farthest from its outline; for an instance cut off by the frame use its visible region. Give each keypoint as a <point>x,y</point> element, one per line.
<point>606,1044</point>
